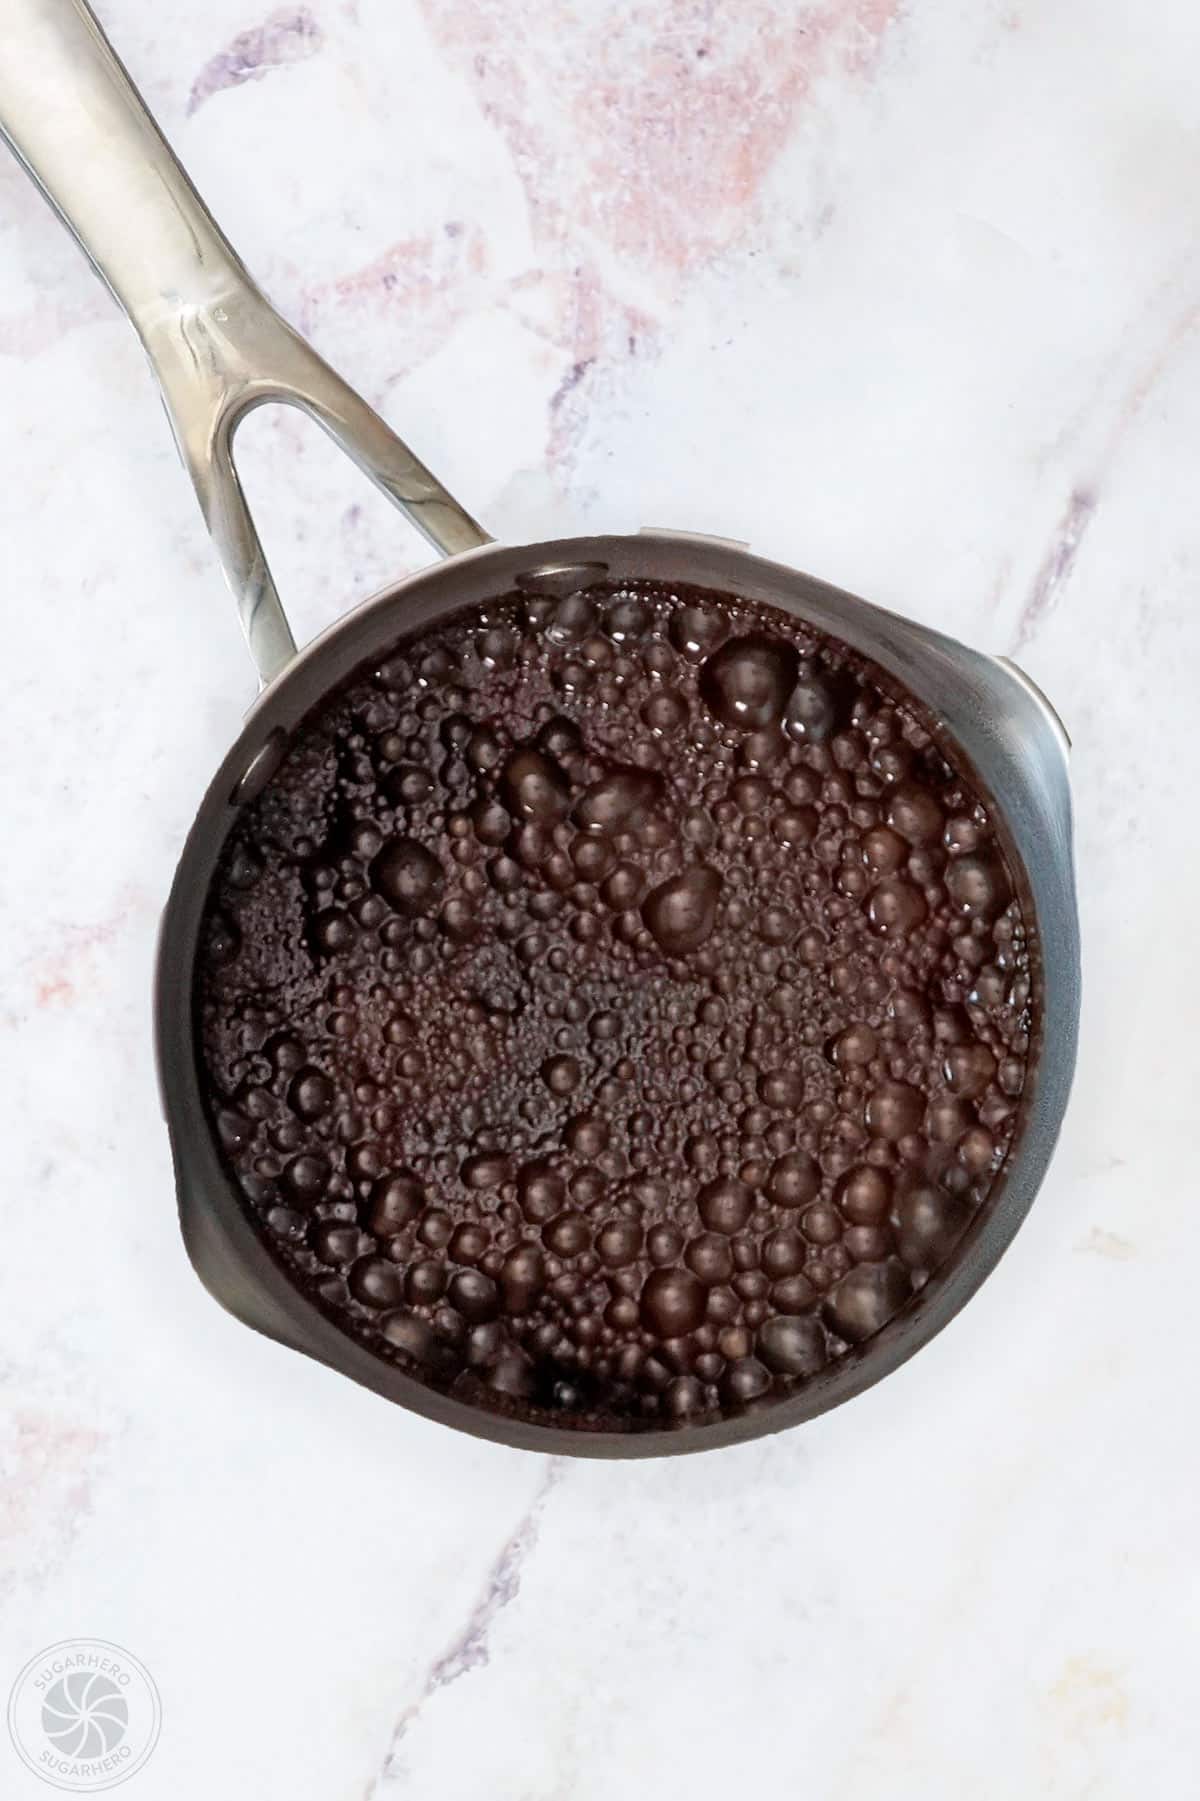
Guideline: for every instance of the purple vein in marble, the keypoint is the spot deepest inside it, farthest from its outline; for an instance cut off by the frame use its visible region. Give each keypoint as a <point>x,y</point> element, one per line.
<point>288,35</point>
<point>1054,571</point>
<point>470,1647</point>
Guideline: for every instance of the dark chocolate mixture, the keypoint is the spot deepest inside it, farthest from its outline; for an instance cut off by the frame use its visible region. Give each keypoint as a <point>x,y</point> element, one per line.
<point>616,1007</point>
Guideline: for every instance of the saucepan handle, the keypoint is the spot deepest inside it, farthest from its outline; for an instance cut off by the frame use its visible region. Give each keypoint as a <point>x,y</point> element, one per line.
<point>73,117</point>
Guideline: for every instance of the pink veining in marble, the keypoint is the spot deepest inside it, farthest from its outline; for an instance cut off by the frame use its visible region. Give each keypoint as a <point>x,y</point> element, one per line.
<point>47,1463</point>
<point>288,35</point>
<point>58,979</point>
<point>643,136</point>
<point>680,108</point>
<point>421,286</point>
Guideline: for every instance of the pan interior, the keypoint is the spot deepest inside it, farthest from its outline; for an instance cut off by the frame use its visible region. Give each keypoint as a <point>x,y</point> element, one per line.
<point>615,1008</point>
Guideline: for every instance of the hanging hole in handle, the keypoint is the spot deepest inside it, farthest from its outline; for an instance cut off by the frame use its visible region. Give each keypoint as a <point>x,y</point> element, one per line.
<point>219,362</point>
<point>333,537</point>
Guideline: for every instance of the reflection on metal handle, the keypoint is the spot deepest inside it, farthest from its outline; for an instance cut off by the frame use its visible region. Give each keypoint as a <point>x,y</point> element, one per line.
<point>75,120</point>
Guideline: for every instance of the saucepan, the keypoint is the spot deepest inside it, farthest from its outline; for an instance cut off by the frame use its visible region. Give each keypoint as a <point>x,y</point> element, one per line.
<point>218,349</point>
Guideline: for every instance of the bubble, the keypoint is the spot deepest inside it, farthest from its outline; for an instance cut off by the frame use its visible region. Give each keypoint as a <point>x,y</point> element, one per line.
<point>762,750</point>
<point>594,858</point>
<point>486,1170</point>
<point>335,1241</point>
<point>710,1258</point>
<point>474,1295</point>
<point>410,1334</point>
<point>513,1374</point>
<point>750,793</point>
<point>792,1345</point>
<point>884,851</point>
<point>914,813</point>
<point>425,1282</point>
<point>929,1223</point>
<point>561,1074</point>
<point>910,1010</point>
<point>395,1202</point>
<point>522,1278</point>
<point>962,833</point>
<point>245,867</point>
<point>483,1343</point>
<point>496,648</point>
<point>407,876</point>
<point>224,940</point>
<point>896,908</point>
<point>567,1235</point>
<point>696,632</point>
<point>894,1109</point>
<point>408,785</point>
<point>622,888</point>
<point>781,1088</point>
<point>533,787</point>
<point>821,1224</point>
<point>541,1190</point>
<point>285,1222</point>
<point>795,826</point>
<point>376,1282</point>
<point>483,749</point>
<point>777,925</point>
<point>305,1178</point>
<point>459,919</point>
<point>683,1398</point>
<point>436,1228</point>
<point>335,931</point>
<point>744,1380</point>
<point>793,1293</point>
<point>627,621</point>
<point>864,1194</point>
<point>811,712</point>
<point>865,1300</point>
<point>783,1254</point>
<point>977,1150</point>
<point>794,1180</point>
<point>490,820</point>
<point>365,1161</point>
<point>725,1205</point>
<point>665,711</point>
<point>234,1130</point>
<point>868,1244</point>
<point>681,913</point>
<point>947,1119</point>
<point>664,1242</point>
<point>855,1047</point>
<point>746,684</point>
<point>978,886</point>
<point>673,1302</point>
<point>618,1243</point>
<point>587,1135</point>
<point>469,1242</point>
<point>618,800</point>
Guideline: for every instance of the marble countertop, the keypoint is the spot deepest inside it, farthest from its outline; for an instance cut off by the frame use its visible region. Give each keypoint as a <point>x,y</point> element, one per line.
<point>906,293</point>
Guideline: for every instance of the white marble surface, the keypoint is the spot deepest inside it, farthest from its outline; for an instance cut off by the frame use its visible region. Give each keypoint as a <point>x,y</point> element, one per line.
<point>907,294</point>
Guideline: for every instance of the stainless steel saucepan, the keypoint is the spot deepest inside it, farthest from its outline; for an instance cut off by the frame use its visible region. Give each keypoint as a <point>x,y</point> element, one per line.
<point>217,347</point>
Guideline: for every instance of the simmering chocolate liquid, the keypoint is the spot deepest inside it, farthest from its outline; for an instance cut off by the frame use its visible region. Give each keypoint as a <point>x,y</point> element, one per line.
<point>616,1007</point>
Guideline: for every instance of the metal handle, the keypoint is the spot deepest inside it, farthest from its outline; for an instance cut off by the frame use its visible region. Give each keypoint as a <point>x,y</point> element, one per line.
<point>73,117</point>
